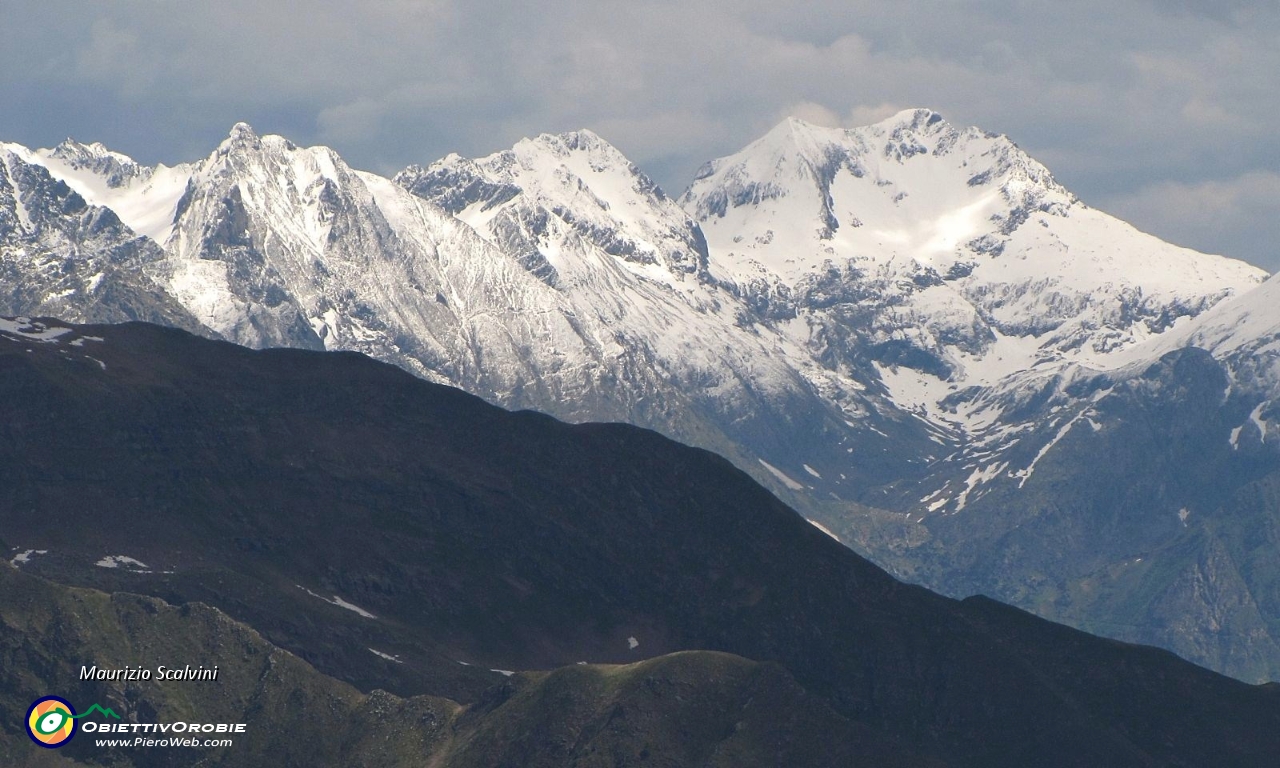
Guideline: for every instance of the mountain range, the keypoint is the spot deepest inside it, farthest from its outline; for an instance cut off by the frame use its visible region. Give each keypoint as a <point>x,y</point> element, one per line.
<point>389,572</point>
<point>909,331</point>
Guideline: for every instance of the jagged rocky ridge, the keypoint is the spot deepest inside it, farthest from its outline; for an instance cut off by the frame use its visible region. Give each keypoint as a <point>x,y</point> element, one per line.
<point>896,327</point>
<point>61,256</point>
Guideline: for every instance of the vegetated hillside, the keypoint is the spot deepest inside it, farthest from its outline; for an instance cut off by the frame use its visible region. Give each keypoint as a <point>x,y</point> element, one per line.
<point>693,708</point>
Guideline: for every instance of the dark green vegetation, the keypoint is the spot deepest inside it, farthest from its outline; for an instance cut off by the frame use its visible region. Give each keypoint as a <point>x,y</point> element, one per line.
<point>693,708</point>
<point>518,542</point>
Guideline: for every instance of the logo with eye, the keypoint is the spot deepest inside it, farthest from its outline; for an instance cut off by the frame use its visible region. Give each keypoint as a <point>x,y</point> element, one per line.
<point>51,722</point>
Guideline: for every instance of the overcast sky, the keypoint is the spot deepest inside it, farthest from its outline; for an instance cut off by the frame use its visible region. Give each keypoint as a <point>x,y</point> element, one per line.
<point>1163,112</point>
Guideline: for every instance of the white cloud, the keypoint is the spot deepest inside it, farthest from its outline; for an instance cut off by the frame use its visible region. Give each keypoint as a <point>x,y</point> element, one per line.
<point>812,113</point>
<point>1114,96</point>
<point>864,114</point>
<point>1238,216</point>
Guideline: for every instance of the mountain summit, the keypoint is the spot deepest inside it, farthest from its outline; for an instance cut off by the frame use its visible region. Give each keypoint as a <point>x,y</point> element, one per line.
<point>965,248</point>
<point>904,329</point>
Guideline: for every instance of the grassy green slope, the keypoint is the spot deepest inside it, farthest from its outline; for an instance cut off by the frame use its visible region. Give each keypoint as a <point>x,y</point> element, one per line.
<point>687,709</point>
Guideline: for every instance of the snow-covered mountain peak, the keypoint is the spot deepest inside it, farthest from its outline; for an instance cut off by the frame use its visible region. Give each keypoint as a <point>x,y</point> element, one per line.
<point>115,170</point>
<point>947,256</point>
<point>796,144</point>
<point>144,197</point>
<point>912,167</point>
<point>241,132</point>
<point>915,118</point>
<point>563,144</point>
<point>773,166</point>
<point>243,139</point>
<point>17,150</point>
<point>64,255</point>
<point>924,127</point>
<point>288,196</point>
<point>256,157</point>
<point>566,200</point>
<point>552,159</point>
<point>925,130</point>
<point>913,189</point>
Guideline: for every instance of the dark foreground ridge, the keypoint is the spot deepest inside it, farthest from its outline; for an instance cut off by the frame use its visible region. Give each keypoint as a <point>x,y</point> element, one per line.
<point>691,708</point>
<point>338,505</point>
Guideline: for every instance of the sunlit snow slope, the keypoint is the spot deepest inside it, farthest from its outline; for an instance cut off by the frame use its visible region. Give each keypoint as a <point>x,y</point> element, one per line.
<point>909,330</point>
<point>951,266</point>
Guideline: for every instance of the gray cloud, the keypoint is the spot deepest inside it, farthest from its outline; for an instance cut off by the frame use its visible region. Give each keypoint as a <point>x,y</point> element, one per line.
<point>1225,216</point>
<point>1125,100</point>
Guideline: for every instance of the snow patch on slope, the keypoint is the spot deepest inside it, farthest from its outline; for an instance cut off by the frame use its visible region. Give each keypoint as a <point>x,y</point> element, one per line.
<point>338,601</point>
<point>782,476</point>
<point>118,561</point>
<point>823,528</point>
<point>1024,475</point>
<point>145,198</point>
<point>25,557</point>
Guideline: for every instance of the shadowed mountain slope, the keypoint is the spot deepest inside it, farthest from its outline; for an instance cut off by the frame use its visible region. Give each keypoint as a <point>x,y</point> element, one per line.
<point>890,326</point>
<point>694,708</point>
<point>338,504</point>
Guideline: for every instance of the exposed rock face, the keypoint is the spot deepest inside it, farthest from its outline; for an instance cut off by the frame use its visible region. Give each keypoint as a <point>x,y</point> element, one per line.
<point>61,256</point>
<point>901,329</point>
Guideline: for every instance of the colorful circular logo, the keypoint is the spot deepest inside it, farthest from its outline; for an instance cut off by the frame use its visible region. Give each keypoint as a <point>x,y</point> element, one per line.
<point>51,722</point>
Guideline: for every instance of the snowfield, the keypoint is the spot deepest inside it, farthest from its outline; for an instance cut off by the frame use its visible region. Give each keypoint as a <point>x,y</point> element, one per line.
<point>919,290</point>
